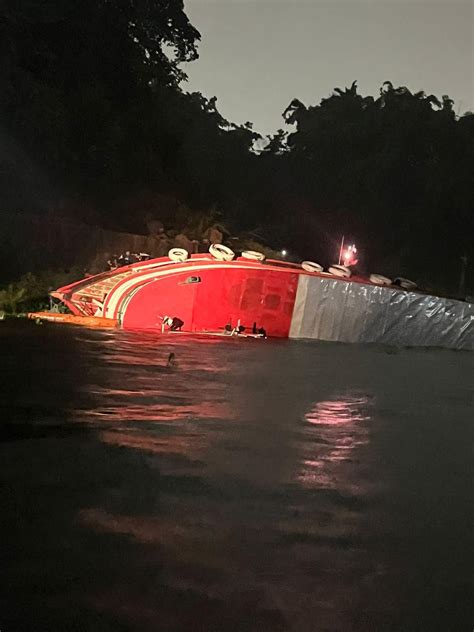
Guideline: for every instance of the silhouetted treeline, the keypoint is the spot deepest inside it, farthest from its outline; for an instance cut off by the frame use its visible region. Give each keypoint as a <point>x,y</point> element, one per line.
<point>95,122</point>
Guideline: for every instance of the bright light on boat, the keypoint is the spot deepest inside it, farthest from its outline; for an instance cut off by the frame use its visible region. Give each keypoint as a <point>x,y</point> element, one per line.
<point>349,255</point>
<point>284,253</point>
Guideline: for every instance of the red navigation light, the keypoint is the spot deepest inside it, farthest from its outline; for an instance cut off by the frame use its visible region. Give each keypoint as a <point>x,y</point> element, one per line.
<point>349,256</point>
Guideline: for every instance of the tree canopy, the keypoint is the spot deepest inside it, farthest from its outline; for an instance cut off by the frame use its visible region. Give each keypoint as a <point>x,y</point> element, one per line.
<point>393,171</point>
<point>94,115</point>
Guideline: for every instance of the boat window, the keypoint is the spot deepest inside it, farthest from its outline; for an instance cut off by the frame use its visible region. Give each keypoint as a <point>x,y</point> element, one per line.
<point>193,279</point>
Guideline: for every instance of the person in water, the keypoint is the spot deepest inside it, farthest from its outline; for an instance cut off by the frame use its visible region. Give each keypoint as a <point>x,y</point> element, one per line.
<point>174,323</point>
<point>125,259</point>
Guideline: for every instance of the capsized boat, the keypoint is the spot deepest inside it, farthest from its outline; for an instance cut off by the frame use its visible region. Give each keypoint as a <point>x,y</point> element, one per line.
<point>219,293</point>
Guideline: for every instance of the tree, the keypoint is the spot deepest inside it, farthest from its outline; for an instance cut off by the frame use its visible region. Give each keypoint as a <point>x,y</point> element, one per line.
<point>391,171</point>
<point>77,75</point>
<point>11,297</point>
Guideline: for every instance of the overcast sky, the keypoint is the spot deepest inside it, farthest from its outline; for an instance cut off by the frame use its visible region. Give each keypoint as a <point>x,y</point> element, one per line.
<point>257,55</point>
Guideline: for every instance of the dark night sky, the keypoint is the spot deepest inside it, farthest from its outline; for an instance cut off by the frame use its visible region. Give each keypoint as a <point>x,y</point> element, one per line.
<point>257,55</point>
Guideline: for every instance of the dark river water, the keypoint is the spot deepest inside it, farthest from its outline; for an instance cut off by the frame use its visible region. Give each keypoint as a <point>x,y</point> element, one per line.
<point>257,485</point>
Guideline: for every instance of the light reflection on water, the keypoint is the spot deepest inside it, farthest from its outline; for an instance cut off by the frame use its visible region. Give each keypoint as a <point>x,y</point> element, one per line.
<point>140,387</point>
<point>334,431</point>
<point>258,485</point>
<point>247,438</point>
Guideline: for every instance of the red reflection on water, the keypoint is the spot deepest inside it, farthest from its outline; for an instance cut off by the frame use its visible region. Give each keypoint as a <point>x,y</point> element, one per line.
<point>146,530</point>
<point>134,397</point>
<point>337,428</point>
<point>161,412</point>
<point>336,412</point>
<point>190,446</point>
<point>188,541</point>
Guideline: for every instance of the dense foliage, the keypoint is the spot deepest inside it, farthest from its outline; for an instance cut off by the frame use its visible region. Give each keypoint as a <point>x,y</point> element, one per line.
<point>95,122</point>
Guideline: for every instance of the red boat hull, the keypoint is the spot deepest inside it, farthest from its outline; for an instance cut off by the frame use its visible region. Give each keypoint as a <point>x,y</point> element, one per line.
<point>204,293</point>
